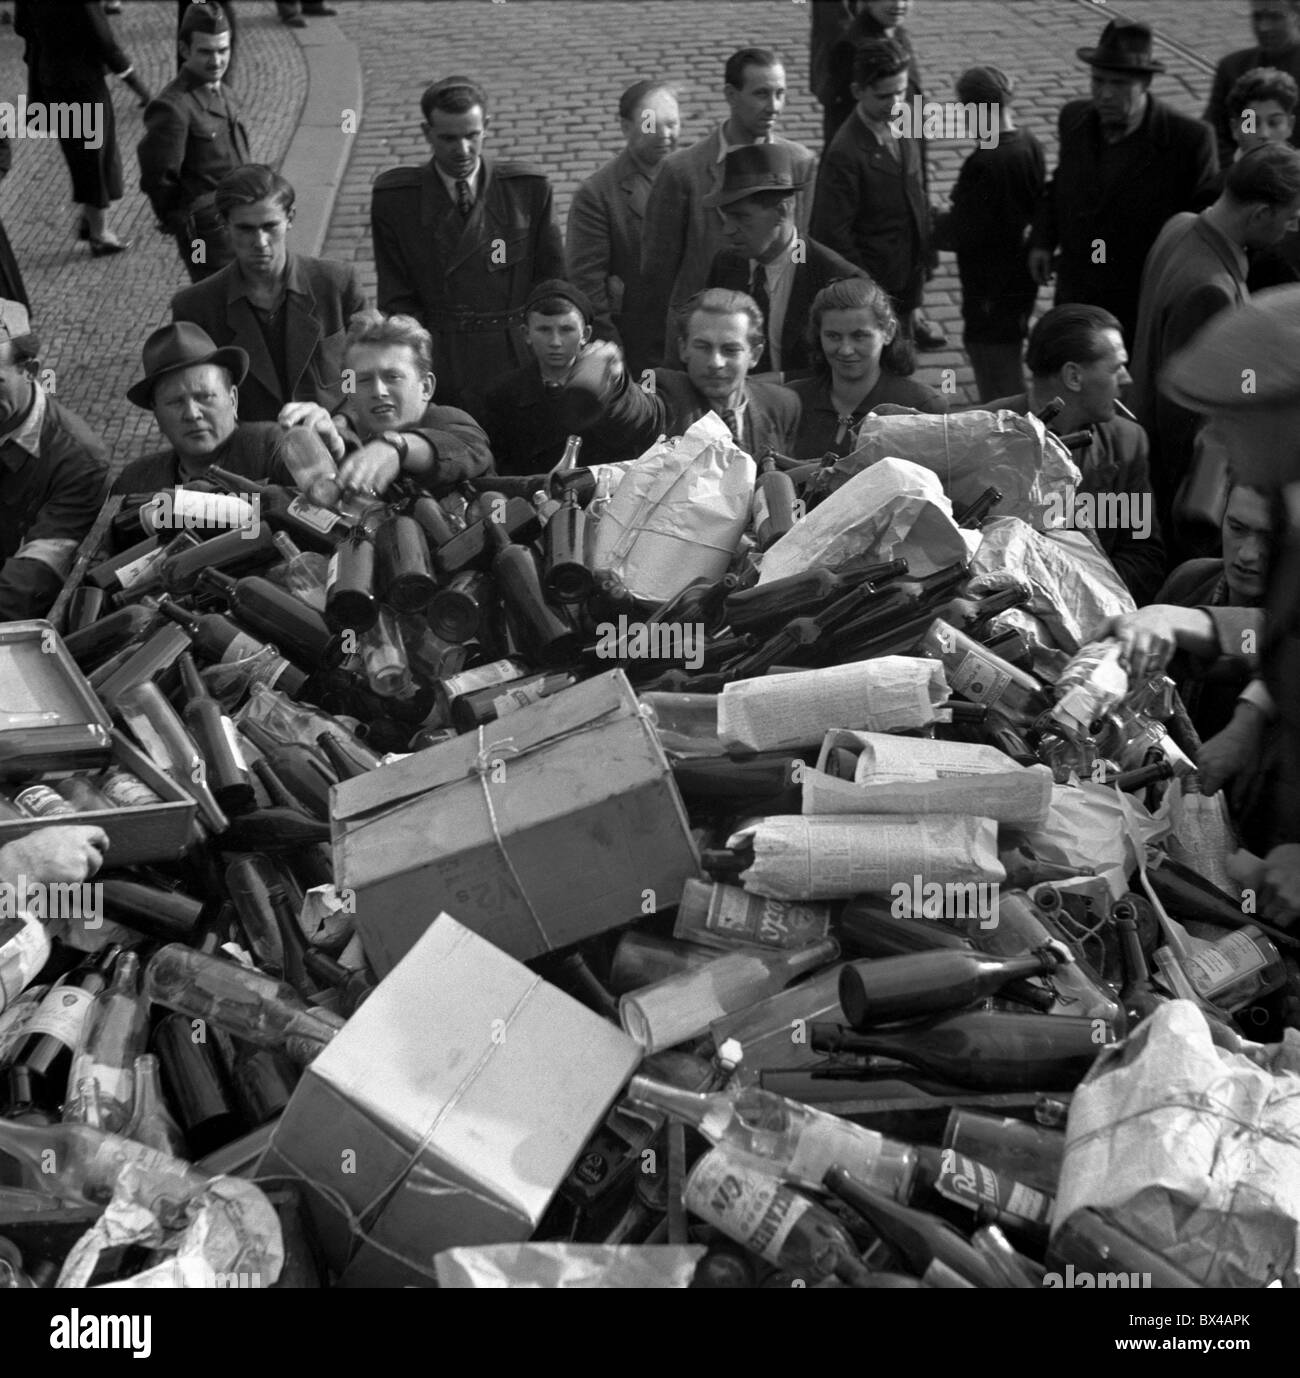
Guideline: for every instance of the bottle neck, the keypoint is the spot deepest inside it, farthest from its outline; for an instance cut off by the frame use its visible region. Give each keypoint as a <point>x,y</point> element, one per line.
<point>688,1106</point>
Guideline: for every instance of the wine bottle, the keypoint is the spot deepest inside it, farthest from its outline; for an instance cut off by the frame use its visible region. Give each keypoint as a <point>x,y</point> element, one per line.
<point>610,599</point>
<point>44,1056</point>
<point>91,646</point>
<point>302,573</point>
<point>498,700</point>
<point>89,1162</point>
<point>260,1080</point>
<point>313,527</point>
<point>350,602</point>
<point>388,672</point>
<point>1091,1241</point>
<point>84,607</point>
<point>429,515</point>
<point>762,1213</point>
<point>780,1136</point>
<point>215,636</point>
<point>701,603</point>
<point>761,776</point>
<point>917,1238</point>
<point>137,567</point>
<point>776,602</point>
<point>863,608</point>
<point>726,916</point>
<point>151,1122</point>
<point>472,549</point>
<point>192,1070</point>
<point>246,1004</point>
<point>273,830</point>
<point>112,1037</point>
<point>986,1050</point>
<point>1237,970</point>
<point>973,517</point>
<point>275,615</point>
<point>231,553</point>
<point>682,1007</point>
<point>404,577</point>
<point>311,465</point>
<point>642,959</point>
<point>779,498</point>
<point>568,578</point>
<point>546,638</point>
<point>163,915</point>
<point>457,611</point>
<point>347,756</point>
<point>1021,1151</point>
<point>125,790</point>
<point>214,734</point>
<point>249,880</point>
<point>977,674</point>
<point>299,768</point>
<point>884,990</point>
<point>81,793</point>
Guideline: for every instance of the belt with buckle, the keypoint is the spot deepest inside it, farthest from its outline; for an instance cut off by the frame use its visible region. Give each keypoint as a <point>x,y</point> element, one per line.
<point>474,322</point>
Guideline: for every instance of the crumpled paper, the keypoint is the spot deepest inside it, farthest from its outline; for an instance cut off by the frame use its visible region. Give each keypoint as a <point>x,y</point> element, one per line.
<point>230,1237</point>
<point>1075,585</point>
<point>678,513</point>
<point>1192,1148</point>
<point>894,510</point>
<point>974,450</point>
<point>569,1265</point>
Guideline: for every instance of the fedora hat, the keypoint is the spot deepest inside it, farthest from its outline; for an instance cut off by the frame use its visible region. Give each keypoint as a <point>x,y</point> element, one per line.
<point>1123,48</point>
<point>754,168</point>
<point>182,345</point>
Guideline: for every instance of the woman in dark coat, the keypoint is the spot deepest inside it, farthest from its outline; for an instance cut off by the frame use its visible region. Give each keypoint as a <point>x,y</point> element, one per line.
<point>11,280</point>
<point>70,48</point>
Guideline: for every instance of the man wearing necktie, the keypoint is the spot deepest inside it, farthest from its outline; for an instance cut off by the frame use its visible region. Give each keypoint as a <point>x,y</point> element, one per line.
<point>766,258</point>
<point>193,137</point>
<point>461,241</point>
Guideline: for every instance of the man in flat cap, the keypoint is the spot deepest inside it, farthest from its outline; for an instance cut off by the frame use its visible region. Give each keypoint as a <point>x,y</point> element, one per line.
<point>1127,163</point>
<point>766,256</point>
<point>460,241</point>
<point>1243,370</point>
<point>53,473</point>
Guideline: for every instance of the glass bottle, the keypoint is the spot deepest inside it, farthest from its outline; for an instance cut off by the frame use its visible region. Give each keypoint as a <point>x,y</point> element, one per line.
<point>215,736</point>
<point>977,674</point>
<point>303,572</point>
<point>384,656</point>
<point>404,577</point>
<point>112,1037</point>
<point>728,917</point>
<point>350,601</point>
<point>300,769</point>
<point>24,950</point>
<point>458,610</point>
<point>311,465</point>
<point>544,636</point>
<point>189,1055</point>
<point>568,578</point>
<point>232,553</point>
<point>80,791</point>
<point>276,616</point>
<point>777,488</point>
<point>1238,969</point>
<point>151,1122</point>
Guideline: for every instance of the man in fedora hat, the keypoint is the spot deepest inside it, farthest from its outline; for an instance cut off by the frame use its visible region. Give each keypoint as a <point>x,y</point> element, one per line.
<point>1243,371</point>
<point>766,257</point>
<point>192,387</point>
<point>681,235</point>
<point>53,471</point>
<point>1277,45</point>
<point>1127,163</point>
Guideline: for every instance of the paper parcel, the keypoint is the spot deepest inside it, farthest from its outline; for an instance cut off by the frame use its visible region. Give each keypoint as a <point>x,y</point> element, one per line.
<point>545,827</point>
<point>448,1111</point>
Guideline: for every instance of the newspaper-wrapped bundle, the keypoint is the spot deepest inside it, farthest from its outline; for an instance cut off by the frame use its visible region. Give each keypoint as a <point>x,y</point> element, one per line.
<point>917,775</point>
<point>971,451</point>
<point>678,512</point>
<point>835,858</point>
<point>1075,585</point>
<point>894,511</point>
<point>780,712</point>
<point>1192,1148</point>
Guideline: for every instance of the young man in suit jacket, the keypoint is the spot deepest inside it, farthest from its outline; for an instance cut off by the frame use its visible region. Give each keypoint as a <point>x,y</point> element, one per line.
<point>461,241</point>
<point>871,204</point>
<point>1277,44</point>
<point>767,258</point>
<point>720,335</point>
<point>286,311</point>
<point>603,239</point>
<point>1126,164</point>
<point>681,234</point>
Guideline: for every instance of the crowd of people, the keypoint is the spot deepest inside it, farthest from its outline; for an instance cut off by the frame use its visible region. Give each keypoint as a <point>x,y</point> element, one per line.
<point>743,275</point>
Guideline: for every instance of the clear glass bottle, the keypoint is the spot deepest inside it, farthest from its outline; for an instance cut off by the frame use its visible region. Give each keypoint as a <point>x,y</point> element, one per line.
<point>112,1037</point>
<point>1237,970</point>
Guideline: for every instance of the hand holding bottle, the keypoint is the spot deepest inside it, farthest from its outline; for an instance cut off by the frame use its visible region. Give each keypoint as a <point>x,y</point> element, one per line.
<point>65,854</point>
<point>316,419</point>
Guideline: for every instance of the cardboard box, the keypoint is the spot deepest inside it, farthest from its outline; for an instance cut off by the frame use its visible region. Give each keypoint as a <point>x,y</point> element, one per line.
<point>541,829</point>
<point>448,1111</point>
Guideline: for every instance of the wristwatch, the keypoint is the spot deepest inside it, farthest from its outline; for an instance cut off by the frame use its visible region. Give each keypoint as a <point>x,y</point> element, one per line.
<point>399,442</point>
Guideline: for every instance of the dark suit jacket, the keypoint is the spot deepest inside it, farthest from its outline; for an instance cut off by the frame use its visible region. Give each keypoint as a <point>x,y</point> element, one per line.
<point>1117,462</point>
<point>603,247</point>
<point>192,138</point>
<point>69,46</point>
<point>465,281</point>
<point>1190,276</point>
<point>322,297</point>
<point>834,90</point>
<point>1167,165</point>
<point>871,208</point>
<point>254,449</point>
<point>526,428</point>
<point>635,418</point>
<point>681,235</point>
<point>820,266</point>
<point>1225,75</point>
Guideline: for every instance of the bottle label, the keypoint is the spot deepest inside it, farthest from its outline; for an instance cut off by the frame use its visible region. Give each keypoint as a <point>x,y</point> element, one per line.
<point>139,570</point>
<point>738,915</point>
<point>187,507</point>
<point>826,1140</point>
<point>971,1184</point>
<point>750,1207</point>
<point>514,699</point>
<point>977,680</point>
<point>498,672</point>
<point>17,1018</point>
<point>318,518</point>
<point>1216,966</point>
<point>43,802</point>
<point>127,791</point>
<point>331,573</point>
<point>241,647</point>
<point>62,1013</point>
<point>116,1084</point>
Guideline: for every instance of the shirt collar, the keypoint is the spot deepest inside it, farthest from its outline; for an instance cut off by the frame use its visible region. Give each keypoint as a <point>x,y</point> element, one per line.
<point>1225,245</point>
<point>724,147</point>
<point>193,83</point>
<point>28,435</point>
<point>295,280</point>
<point>880,128</point>
<point>474,180</point>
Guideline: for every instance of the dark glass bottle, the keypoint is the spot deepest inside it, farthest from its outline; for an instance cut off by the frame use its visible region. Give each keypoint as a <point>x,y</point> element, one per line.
<point>273,830</point>
<point>778,492</point>
<point>300,769</point>
<point>350,601</point>
<point>433,521</point>
<point>568,579</point>
<point>277,616</point>
<point>196,1088</point>
<point>231,553</point>
<point>404,576</point>
<point>44,1057</point>
<point>166,916</point>
<point>974,516</point>
<point>214,734</point>
<point>1093,1243</point>
<point>471,548</point>
<point>702,602</point>
<point>545,637</point>
<point>312,863</point>
<point>213,635</point>
<point>260,1080</point>
<point>93,645</point>
<point>311,526</point>
<point>347,756</point>
<point>457,611</point>
<point>469,711</point>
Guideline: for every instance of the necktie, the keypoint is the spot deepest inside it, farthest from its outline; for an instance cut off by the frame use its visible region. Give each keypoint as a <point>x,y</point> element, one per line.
<point>758,290</point>
<point>463,204</point>
<point>732,422</point>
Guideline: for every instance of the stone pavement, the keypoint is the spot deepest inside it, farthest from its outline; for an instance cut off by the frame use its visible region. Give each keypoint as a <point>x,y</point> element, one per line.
<point>555,68</point>
<point>93,314</point>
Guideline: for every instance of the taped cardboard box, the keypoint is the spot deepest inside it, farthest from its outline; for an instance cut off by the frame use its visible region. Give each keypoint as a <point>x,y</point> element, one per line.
<point>550,825</point>
<point>447,1112</point>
